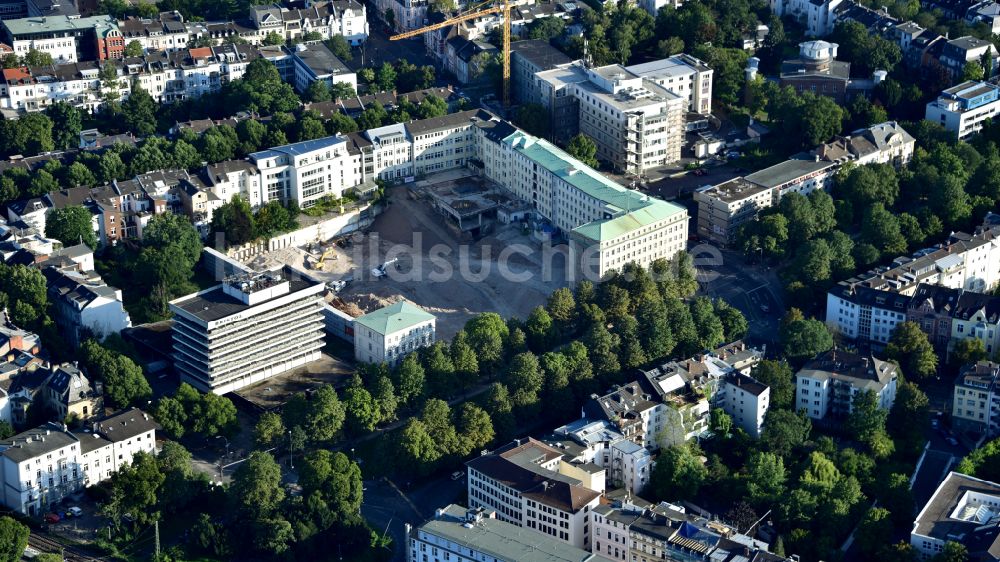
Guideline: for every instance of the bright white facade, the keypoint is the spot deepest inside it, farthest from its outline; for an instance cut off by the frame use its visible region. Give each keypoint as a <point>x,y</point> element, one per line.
<point>964,109</point>
<point>963,509</point>
<point>392,332</point>
<point>42,466</point>
<point>683,75</point>
<point>818,17</point>
<point>584,441</point>
<point>530,485</point>
<point>307,171</point>
<point>246,330</point>
<point>83,303</point>
<point>828,384</point>
<point>976,399</point>
<point>746,400</point>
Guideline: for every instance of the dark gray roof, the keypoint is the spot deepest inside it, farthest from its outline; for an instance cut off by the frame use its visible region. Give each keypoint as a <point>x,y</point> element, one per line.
<point>539,53</point>
<point>126,424</point>
<point>90,441</point>
<point>36,442</point>
<point>447,121</point>
<point>747,383</point>
<point>215,304</point>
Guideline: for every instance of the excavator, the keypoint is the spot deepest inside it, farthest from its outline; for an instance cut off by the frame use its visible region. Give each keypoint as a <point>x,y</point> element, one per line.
<point>472,13</point>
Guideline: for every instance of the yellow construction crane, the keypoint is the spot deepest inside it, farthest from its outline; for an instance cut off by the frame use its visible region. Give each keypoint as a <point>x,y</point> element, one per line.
<point>473,13</point>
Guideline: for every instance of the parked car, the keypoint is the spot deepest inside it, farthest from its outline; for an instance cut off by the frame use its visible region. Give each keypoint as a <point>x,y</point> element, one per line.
<point>51,518</point>
<point>952,441</point>
<point>457,475</point>
<point>74,511</point>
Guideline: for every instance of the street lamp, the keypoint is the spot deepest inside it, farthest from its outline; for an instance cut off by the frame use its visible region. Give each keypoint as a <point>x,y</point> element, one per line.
<point>227,443</point>
<point>291,456</point>
<point>353,457</point>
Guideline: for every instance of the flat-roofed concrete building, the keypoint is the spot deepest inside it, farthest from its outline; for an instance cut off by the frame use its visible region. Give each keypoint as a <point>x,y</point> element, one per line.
<point>457,533</point>
<point>965,510</point>
<point>684,75</point>
<point>251,327</point>
<point>976,399</point>
<point>964,109</point>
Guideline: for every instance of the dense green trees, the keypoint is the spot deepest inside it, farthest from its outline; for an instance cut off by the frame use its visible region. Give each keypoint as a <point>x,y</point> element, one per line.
<point>677,475</point>
<point>13,539</point>
<point>190,411</point>
<point>23,293</point>
<point>910,347</point>
<point>583,148</point>
<point>71,225</point>
<point>124,382</point>
<point>804,338</point>
<point>983,462</point>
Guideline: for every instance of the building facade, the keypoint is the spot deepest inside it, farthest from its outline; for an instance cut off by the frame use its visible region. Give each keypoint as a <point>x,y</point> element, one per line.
<point>963,509</point>
<point>963,109</point>
<point>249,328</point>
<point>392,332</point>
<point>828,384</point>
<point>976,399</point>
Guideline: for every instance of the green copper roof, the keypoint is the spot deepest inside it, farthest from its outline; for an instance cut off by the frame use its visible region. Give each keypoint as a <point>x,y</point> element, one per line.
<point>609,229</point>
<point>632,209</point>
<point>395,317</point>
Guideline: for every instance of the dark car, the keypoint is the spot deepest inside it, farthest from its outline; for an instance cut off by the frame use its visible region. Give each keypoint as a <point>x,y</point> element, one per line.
<point>51,518</point>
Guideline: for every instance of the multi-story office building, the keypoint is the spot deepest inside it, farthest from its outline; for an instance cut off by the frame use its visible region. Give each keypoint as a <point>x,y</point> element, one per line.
<point>42,466</point>
<point>607,224</point>
<point>976,399</point>
<point>527,59</point>
<point>305,63</point>
<point>457,533</point>
<point>828,384</point>
<point>683,75</point>
<point>963,109</point>
<point>251,327</point>
<point>66,39</point>
<point>723,208</point>
<point>307,171</point>
<point>963,509</point>
<point>392,332</point>
<point>529,484</point>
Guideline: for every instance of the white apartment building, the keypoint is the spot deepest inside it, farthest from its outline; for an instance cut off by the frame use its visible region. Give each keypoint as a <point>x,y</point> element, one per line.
<point>42,466</point>
<point>407,14</point>
<point>457,533</point>
<point>608,225</point>
<point>868,307</point>
<point>976,399</point>
<point>251,327</point>
<point>963,509</point>
<point>392,332</point>
<point>817,16</point>
<point>723,208</point>
<point>745,399</point>
<point>84,305</point>
<point>236,177</point>
<point>530,485</point>
<point>346,18</point>
<point>307,171</point>
<point>628,465</point>
<point>963,109</point>
<point>66,39</point>
<point>828,384</point>
<point>683,75</point>
<point>166,33</point>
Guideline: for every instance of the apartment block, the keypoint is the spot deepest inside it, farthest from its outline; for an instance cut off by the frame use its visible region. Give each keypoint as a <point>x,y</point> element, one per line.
<point>307,171</point>
<point>392,332</point>
<point>976,399</point>
<point>828,384</point>
<point>867,307</point>
<point>963,109</point>
<point>528,484</point>
<point>634,530</point>
<point>305,63</point>
<point>598,442</point>
<point>817,16</point>
<point>457,533</point>
<point>723,208</point>
<point>165,33</point>
<point>963,509</point>
<point>745,399</point>
<point>249,328</point>
<point>885,143</point>
<point>527,59</point>
<point>683,75</point>
<point>82,304</point>
<point>42,466</point>
<point>346,18</point>
<point>669,404</point>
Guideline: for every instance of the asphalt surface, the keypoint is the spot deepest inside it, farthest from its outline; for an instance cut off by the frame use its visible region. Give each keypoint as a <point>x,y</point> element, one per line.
<point>389,508</point>
<point>754,290</point>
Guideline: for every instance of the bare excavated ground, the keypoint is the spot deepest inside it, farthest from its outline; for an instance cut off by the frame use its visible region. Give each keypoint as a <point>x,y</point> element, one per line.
<point>504,272</point>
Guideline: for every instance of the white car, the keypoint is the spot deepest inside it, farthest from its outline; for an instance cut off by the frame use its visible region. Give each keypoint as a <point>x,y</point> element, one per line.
<point>74,511</point>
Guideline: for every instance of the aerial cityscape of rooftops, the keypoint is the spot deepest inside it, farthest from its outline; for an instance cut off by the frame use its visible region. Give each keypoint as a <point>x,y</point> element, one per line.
<point>502,280</point>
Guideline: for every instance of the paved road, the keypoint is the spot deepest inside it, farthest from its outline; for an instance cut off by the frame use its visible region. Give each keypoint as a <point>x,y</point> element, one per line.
<point>388,508</point>
<point>755,291</point>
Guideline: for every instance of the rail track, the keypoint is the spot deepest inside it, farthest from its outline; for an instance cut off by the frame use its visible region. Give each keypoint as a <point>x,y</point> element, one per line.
<point>69,553</point>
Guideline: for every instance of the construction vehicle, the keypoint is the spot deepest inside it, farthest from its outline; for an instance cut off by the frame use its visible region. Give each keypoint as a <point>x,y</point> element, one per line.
<point>502,8</point>
<point>317,264</point>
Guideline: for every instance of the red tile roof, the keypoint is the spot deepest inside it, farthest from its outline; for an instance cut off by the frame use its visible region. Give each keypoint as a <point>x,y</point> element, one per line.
<point>15,75</point>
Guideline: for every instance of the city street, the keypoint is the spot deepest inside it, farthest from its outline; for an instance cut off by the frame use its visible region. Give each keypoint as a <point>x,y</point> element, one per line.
<point>388,507</point>
<point>756,292</point>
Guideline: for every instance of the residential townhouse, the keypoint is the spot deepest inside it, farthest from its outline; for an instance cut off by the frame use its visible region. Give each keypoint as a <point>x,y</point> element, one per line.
<point>82,304</point>
<point>827,385</point>
<point>165,33</point>
<point>407,15</point>
<point>69,393</point>
<point>584,441</point>
<point>346,18</point>
<point>817,16</point>
<point>976,400</point>
<point>669,404</point>
<point>987,12</point>
<point>42,466</point>
<point>529,484</point>
<point>884,143</point>
<point>866,308</point>
<point>634,530</point>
